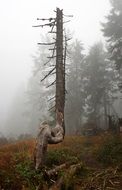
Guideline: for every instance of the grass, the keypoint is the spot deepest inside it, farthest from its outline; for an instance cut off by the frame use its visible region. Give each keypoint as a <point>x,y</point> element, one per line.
<point>17,168</point>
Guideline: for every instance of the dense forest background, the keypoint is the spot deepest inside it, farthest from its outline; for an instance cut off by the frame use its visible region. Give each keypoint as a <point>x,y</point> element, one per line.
<point>93,83</point>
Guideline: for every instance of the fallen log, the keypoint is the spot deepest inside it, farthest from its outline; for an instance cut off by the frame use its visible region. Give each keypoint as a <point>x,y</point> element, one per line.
<point>67,178</point>
<point>54,171</point>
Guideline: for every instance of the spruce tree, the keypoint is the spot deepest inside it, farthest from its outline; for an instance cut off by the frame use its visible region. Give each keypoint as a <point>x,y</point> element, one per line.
<point>112,29</point>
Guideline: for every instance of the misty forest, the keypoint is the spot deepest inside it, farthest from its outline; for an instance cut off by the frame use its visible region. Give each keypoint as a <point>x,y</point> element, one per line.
<point>63,127</point>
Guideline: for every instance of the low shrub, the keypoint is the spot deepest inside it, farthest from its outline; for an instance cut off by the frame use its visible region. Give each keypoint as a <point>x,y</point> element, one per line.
<point>57,157</point>
<point>111,151</point>
<point>30,178</point>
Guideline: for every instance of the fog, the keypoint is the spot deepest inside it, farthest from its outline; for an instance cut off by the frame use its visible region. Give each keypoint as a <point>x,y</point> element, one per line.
<point>18,39</point>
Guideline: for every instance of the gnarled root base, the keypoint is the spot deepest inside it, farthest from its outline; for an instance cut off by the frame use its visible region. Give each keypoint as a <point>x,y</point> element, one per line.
<point>47,136</point>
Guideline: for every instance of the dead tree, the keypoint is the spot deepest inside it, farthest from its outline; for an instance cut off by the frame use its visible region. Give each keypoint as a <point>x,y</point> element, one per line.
<point>48,135</point>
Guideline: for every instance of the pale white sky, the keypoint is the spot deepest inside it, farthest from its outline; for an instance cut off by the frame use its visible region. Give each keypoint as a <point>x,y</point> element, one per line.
<point>18,39</point>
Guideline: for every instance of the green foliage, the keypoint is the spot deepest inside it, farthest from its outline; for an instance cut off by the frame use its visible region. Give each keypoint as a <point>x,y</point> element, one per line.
<point>17,170</point>
<point>29,176</point>
<point>19,173</point>
<point>113,31</point>
<point>53,157</point>
<point>9,181</point>
<point>111,151</point>
<point>71,177</point>
<point>99,79</point>
<point>57,157</point>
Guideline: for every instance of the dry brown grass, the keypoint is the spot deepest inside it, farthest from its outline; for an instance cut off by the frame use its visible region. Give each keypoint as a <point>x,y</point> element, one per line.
<point>13,155</point>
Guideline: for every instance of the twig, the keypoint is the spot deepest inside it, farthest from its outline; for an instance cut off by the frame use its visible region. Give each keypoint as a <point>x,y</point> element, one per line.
<point>43,19</point>
<point>51,84</point>
<point>48,74</point>
<point>48,24</point>
<point>51,57</point>
<point>68,15</point>
<point>46,43</point>
<point>51,108</point>
<point>51,98</point>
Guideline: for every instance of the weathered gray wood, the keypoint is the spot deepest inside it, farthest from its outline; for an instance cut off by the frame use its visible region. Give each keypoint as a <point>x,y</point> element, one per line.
<point>60,88</point>
<point>47,135</point>
<point>54,171</point>
<point>72,170</point>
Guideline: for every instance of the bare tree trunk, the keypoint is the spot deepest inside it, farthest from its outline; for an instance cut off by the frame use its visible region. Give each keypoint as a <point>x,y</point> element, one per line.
<point>105,112</point>
<point>46,134</point>
<point>60,66</point>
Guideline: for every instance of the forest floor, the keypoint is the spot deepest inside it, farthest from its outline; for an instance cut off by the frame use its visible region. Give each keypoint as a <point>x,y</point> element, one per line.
<point>78,163</point>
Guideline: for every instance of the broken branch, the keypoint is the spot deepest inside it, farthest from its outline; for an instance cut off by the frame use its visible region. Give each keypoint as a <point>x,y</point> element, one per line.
<point>46,43</point>
<point>48,74</point>
<point>51,84</point>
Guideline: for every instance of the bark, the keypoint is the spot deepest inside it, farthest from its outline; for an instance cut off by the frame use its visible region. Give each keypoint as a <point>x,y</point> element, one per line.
<point>60,65</point>
<point>47,136</point>
<point>53,172</point>
<point>68,175</point>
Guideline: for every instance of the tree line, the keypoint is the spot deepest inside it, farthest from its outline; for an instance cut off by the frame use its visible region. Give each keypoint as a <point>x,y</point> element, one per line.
<point>93,80</point>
